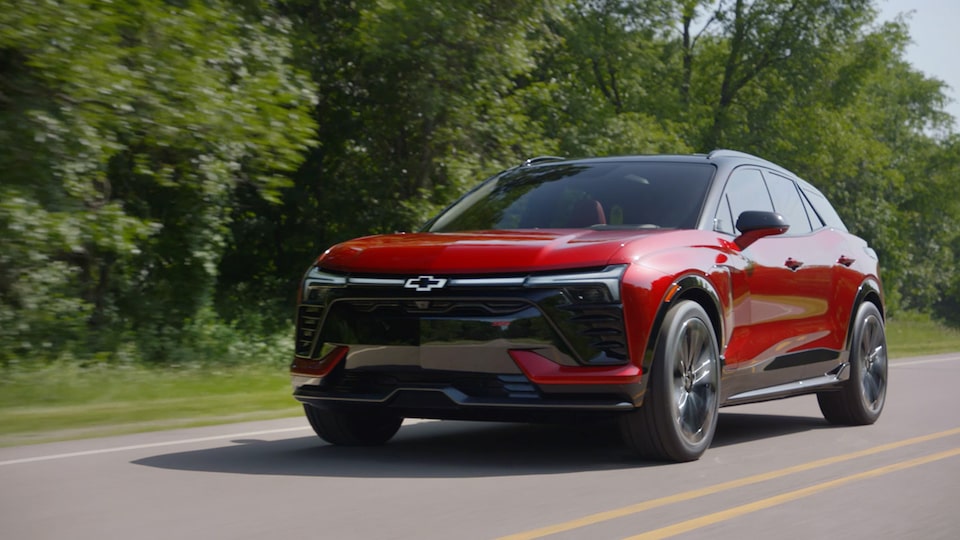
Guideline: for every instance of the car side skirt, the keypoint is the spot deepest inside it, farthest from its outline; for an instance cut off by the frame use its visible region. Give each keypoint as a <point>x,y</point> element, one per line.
<point>824,382</point>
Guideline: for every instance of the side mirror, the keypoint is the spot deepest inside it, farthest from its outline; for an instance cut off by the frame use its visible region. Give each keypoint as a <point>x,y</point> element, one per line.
<point>754,225</point>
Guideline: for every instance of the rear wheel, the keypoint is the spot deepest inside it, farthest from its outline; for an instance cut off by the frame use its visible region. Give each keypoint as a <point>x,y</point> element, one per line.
<point>679,413</point>
<point>861,399</point>
<point>353,428</point>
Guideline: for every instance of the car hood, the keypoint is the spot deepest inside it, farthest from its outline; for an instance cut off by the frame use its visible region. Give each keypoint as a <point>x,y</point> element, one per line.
<point>481,252</point>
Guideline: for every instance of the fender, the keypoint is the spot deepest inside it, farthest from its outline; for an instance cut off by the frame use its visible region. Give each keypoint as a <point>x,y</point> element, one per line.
<point>869,291</point>
<point>687,287</point>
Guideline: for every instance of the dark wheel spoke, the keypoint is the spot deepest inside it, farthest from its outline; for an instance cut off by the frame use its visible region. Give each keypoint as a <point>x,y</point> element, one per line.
<point>698,344</point>
<point>871,389</point>
<point>683,355</point>
<point>692,415</point>
<point>877,369</point>
<point>869,340</point>
<point>683,401</point>
<point>702,373</point>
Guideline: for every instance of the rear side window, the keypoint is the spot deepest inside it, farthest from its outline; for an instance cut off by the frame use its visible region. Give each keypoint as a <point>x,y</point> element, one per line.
<point>815,220</point>
<point>823,209</point>
<point>787,201</point>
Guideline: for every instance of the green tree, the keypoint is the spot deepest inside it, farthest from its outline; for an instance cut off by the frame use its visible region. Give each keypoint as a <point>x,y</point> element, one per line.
<point>421,99</point>
<point>125,129</point>
<point>599,86</point>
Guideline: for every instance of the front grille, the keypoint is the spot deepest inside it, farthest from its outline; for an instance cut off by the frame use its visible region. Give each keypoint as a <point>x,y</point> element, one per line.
<point>582,321</point>
<point>451,307</point>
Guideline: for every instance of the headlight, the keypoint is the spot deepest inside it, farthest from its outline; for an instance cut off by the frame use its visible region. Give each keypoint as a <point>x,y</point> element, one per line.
<point>316,281</point>
<point>584,286</point>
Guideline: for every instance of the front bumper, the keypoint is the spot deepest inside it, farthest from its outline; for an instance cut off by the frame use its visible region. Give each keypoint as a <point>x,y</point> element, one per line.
<point>464,351</point>
<point>539,384</point>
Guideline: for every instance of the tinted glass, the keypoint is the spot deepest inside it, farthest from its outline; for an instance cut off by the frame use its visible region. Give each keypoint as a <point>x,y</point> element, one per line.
<point>824,210</point>
<point>815,220</point>
<point>787,201</point>
<point>724,220</point>
<point>744,191</point>
<point>596,195</point>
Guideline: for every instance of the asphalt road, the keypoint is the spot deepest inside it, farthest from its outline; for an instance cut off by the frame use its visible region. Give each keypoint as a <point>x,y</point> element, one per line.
<point>775,470</point>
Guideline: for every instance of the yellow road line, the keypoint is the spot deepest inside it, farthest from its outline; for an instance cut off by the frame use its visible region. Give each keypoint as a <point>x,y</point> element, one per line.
<point>717,488</point>
<point>725,515</point>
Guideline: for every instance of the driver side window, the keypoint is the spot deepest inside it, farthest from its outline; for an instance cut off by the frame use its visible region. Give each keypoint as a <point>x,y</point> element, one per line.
<point>745,190</point>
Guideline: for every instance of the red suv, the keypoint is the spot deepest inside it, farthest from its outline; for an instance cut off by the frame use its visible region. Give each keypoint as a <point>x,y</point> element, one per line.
<point>651,289</point>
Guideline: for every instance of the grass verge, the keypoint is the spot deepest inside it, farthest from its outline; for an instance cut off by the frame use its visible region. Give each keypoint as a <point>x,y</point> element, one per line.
<point>64,402</point>
<point>911,334</point>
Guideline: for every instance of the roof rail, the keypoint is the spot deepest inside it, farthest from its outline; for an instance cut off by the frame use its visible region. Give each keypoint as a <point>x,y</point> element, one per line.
<point>541,159</point>
<point>720,152</point>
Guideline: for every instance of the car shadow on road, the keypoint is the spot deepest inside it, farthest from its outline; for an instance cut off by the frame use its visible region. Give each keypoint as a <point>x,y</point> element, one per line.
<point>736,428</point>
<point>422,450</point>
<point>461,449</point>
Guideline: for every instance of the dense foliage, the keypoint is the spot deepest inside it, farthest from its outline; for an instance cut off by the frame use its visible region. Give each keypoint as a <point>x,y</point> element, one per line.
<point>170,167</point>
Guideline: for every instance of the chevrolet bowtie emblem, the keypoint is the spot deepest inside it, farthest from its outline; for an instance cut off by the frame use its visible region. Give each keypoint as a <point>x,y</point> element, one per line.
<point>425,283</point>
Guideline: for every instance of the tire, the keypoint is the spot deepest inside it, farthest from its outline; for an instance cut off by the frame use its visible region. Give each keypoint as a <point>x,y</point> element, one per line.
<point>678,417</point>
<point>860,401</point>
<point>353,428</point>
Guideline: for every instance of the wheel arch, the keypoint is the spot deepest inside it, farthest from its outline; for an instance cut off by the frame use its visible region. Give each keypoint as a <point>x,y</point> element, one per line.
<point>687,287</point>
<point>869,291</point>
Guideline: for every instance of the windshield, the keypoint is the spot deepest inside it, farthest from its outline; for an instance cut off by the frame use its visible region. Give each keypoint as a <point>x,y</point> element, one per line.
<point>610,194</point>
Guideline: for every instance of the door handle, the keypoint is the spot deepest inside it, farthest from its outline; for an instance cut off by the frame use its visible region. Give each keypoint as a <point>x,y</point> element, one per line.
<point>846,261</point>
<point>792,263</point>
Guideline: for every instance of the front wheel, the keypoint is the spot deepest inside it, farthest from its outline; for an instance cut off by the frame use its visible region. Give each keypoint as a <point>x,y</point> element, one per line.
<point>353,428</point>
<point>860,400</point>
<point>679,413</point>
